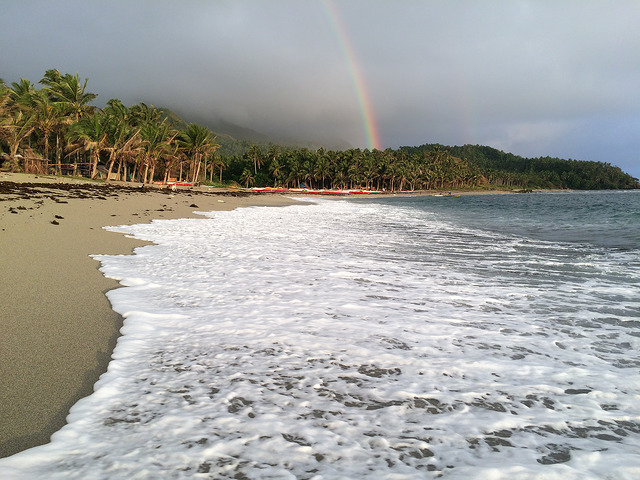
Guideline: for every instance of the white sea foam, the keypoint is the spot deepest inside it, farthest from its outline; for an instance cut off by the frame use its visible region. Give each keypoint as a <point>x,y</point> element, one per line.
<point>344,340</point>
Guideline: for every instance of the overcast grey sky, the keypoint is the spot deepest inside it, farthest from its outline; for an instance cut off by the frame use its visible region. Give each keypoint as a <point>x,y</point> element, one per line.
<point>533,77</point>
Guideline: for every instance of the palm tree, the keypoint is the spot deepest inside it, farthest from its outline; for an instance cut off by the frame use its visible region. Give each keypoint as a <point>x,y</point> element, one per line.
<point>247,178</point>
<point>369,169</point>
<point>293,168</point>
<point>322,166</point>
<point>341,171</point>
<point>173,156</point>
<point>91,134</point>
<point>69,91</point>
<point>5,107</point>
<point>197,141</point>
<point>276,168</point>
<point>21,94</point>
<point>124,137</point>
<point>70,94</point>
<point>14,130</point>
<point>255,154</point>
<point>47,117</point>
<point>274,151</point>
<point>389,163</point>
<point>143,114</point>
<point>125,145</point>
<point>144,118</point>
<point>156,142</point>
<point>219,163</point>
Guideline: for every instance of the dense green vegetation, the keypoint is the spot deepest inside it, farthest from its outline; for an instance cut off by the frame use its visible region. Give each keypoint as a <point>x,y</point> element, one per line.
<point>54,129</point>
<point>506,169</point>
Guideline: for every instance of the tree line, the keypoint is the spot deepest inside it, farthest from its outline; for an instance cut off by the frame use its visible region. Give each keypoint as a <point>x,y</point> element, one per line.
<point>501,168</point>
<point>55,129</point>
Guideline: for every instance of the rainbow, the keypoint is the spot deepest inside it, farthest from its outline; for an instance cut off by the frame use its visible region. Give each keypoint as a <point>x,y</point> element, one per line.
<point>357,78</point>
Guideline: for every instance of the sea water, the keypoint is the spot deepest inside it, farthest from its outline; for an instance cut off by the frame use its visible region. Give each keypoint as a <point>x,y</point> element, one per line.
<point>488,336</point>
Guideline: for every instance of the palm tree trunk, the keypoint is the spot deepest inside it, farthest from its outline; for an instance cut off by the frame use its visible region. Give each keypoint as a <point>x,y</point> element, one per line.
<point>58,155</point>
<point>75,164</point>
<point>112,159</point>
<point>119,168</point>
<point>94,168</point>
<point>196,170</point>
<point>46,153</point>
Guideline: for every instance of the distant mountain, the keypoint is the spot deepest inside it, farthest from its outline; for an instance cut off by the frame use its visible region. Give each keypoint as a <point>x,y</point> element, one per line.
<point>236,131</point>
<point>254,137</point>
<point>236,140</point>
<point>233,140</point>
<point>174,119</point>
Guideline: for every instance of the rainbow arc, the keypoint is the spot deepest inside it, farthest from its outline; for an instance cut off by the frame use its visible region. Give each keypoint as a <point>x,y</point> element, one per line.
<point>363,98</point>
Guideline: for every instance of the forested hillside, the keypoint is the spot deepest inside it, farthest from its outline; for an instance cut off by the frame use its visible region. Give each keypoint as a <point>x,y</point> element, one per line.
<point>501,168</point>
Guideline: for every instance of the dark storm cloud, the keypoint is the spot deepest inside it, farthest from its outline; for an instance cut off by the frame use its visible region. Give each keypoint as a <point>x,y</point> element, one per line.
<point>558,78</point>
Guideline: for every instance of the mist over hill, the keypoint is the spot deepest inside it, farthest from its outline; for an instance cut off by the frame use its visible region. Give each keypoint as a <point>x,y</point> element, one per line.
<point>486,164</point>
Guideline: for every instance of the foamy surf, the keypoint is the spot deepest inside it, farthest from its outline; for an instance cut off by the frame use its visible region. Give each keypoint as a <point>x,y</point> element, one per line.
<point>359,340</point>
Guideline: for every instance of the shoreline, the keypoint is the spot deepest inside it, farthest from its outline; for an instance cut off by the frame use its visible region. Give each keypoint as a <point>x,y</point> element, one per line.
<point>59,327</point>
<point>59,330</point>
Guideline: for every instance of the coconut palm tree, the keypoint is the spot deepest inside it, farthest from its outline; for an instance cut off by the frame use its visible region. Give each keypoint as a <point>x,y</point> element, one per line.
<point>276,168</point>
<point>156,140</point>
<point>143,114</point>
<point>171,158</point>
<point>5,107</point>
<point>294,167</point>
<point>22,94</point>
<point>247,177</point>
<point>47,118</point>
<point>14,130</point>
<point>273,152</point>
<point>91,134</point>
<point>219,163</point>
<point>322,166</point>
<point>69,91</point>
<point>255,154</point>
<point>124,137</point>
<point>197,142</point>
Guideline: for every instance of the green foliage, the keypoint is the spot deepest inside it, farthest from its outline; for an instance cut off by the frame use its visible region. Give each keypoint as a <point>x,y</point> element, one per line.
<point>545,172</point>
<point>145,143</point>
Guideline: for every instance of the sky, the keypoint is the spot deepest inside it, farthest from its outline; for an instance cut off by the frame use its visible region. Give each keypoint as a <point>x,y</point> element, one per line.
<point>555,78</point>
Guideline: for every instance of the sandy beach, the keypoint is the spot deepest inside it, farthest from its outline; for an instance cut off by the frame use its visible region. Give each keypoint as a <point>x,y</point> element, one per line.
<point>58,329</point>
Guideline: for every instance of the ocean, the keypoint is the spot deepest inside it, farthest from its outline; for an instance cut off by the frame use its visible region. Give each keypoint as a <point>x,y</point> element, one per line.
<point>484,336</point>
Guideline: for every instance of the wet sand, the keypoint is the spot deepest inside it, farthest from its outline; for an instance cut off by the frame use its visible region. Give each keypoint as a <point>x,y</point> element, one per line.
<point>58,329</point>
